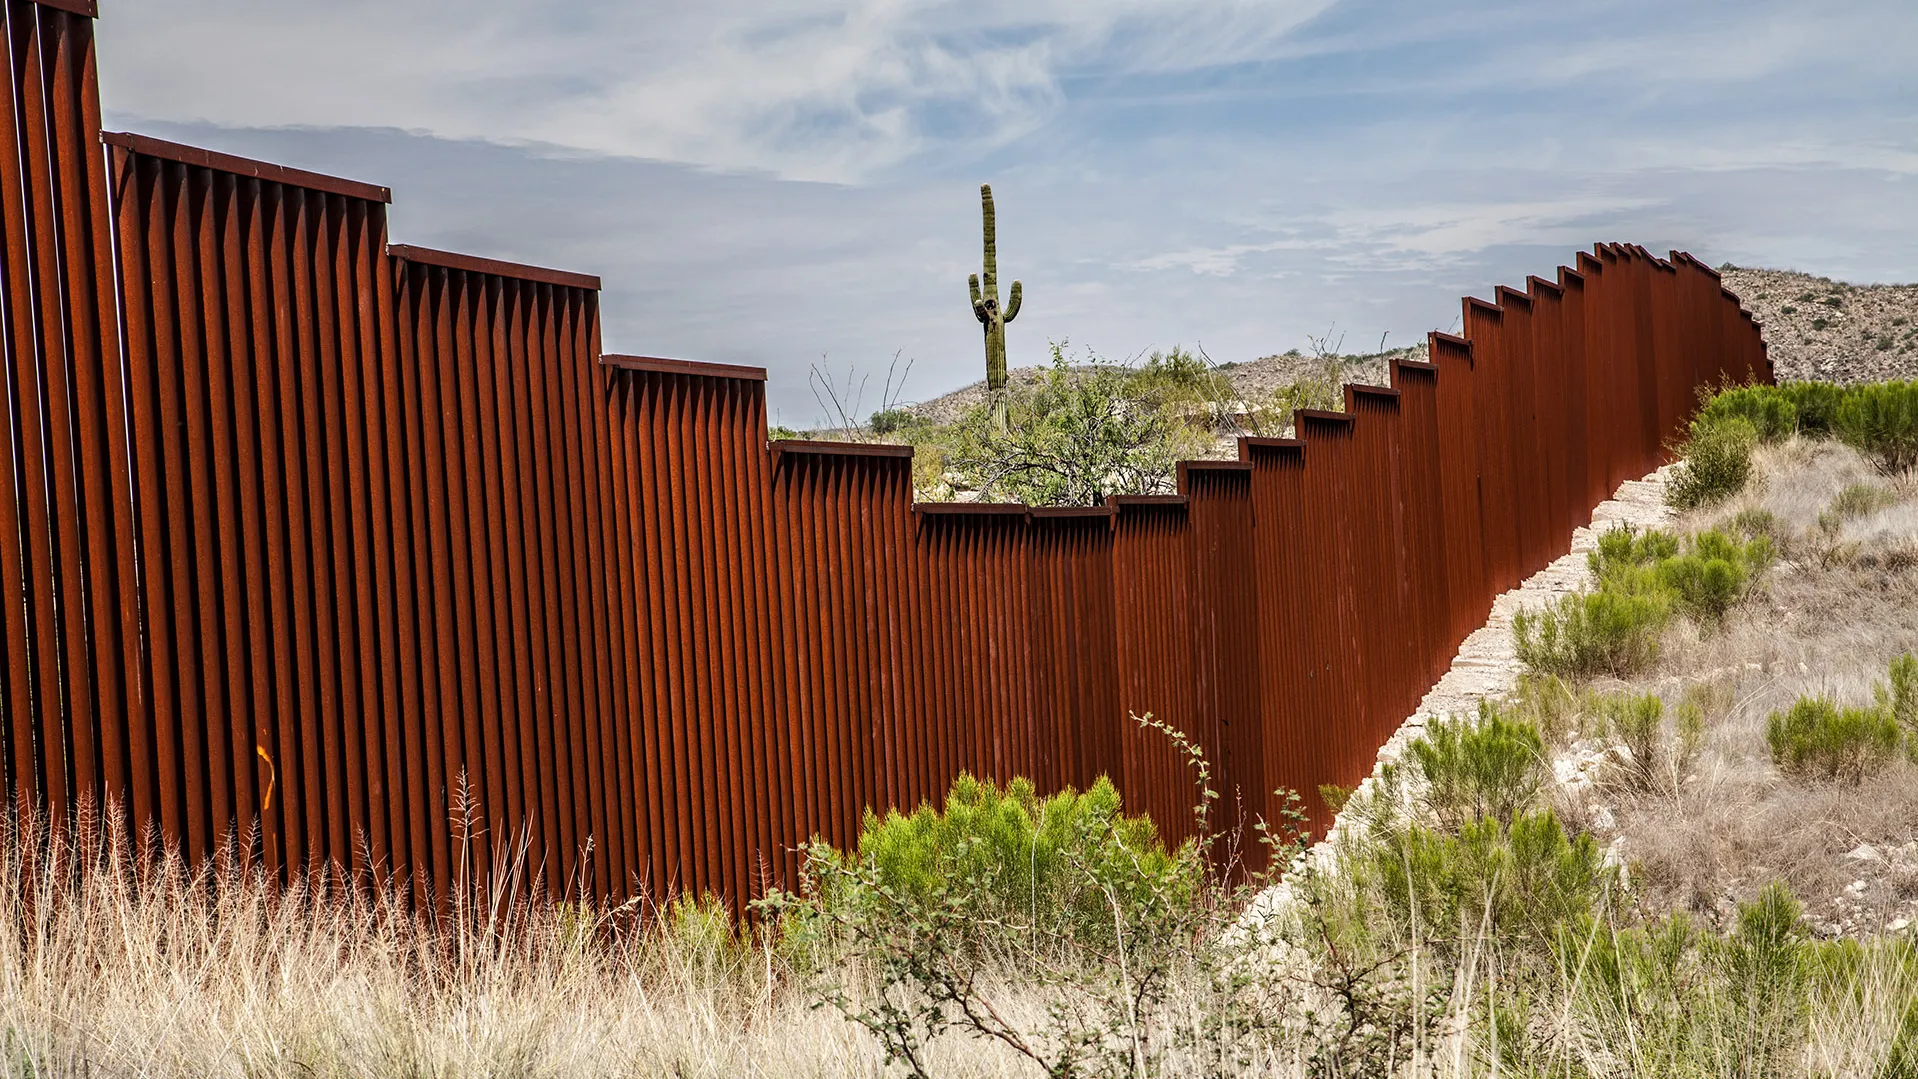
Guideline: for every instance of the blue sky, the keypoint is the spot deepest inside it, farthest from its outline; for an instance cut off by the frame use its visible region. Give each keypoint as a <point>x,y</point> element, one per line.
<point>773,181</point>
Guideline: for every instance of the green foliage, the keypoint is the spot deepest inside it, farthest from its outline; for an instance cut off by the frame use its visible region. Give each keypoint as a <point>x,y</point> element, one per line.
<point>1856,500</point>
<point>1080,436</point>
<point>1613,629</point>
<point>1515,883</point>
<point>1814,738</point>
<point>1717,464</point>
<point>1765,966</point>
<point>780,432</point>
<point>1643,578</point>
<point>1488,769</point>
<point>1815,404</point>
<point>933,908</point>
<point>1546,701</point>
<point>1714,572</point>
<point>890,421</point>
<point>1880,420</point>
<point>1900,697</point>
<point>1771,415</point>
<point>1010,857</point>
<point>1638,720</point>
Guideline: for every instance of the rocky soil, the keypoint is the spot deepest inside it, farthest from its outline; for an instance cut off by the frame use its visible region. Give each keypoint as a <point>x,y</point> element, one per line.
<point>1818,328</point>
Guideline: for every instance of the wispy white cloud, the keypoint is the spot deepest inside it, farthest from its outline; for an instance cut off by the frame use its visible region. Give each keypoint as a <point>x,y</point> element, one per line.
<point>806,89</point>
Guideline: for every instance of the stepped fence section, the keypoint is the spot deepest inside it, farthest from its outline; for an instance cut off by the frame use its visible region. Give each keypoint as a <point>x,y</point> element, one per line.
<point>365,558</point>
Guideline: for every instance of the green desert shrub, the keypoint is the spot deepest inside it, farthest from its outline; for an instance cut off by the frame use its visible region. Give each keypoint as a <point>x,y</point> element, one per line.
<point>1637,720</point>
<point>1643,579</point>
<point>1714,572</point>
<point>1769,411</point>
<point>1900,696</point>
<point>1613,629</point>
<point>1880,420</point>
<point>1006,857</point>
<point>1814,405</point>
<point>1717,462</point>
<point>1490,768</point>
<point>1515,883</point>
<point>1081,435</point>
<point>1815,738</point>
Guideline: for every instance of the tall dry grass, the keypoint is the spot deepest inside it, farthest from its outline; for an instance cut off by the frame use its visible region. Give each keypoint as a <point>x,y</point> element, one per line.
<point>122,966</point>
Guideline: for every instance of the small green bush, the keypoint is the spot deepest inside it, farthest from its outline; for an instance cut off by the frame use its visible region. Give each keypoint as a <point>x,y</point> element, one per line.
<point>1638,720</point>
<point>1765,963</point>
<point>1814,404</point>
<point>1880,420</point>
<point>1717,464</point>
<point>1900,697</point>
<point>1622,552</point>
<point>1814,738</point>
<point>1613,629</point>
<point>1643,578</point>
<point>1713,573</point>
<point>1009,856</point>
<point>1491,768</point>
<point>887,421</point>
<point>1856,500</point>
<point>1770,412</point>
<point>1518,884</point>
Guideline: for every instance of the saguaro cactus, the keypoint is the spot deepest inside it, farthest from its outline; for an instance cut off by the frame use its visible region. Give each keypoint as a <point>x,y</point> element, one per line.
<point>985,300</point>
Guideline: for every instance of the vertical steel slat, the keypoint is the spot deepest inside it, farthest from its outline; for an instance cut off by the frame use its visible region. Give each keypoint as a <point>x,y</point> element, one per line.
<point>18,754</point>
<point>458,437</point>
<point>359,634</point>
<point>248,636</point>
<point>93,638</point>
<point>639,794</point>
<point>39,398</point>
<point>203,367</point>
<point>346,781</point>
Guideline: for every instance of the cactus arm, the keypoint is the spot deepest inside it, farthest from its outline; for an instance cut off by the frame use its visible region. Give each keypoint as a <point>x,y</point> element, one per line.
<point>978,303</point>
<point>1012,303</point>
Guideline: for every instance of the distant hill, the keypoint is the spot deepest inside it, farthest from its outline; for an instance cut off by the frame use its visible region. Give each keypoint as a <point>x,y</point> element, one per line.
<point>1818,328</point>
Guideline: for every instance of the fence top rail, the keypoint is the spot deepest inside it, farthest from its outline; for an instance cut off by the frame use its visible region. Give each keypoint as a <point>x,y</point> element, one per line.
<point>781,448</point>
<point>1136,502</point>
<point>684,367</point>
<point>1070,513</point>
<point>970,509</point>
<point>86,8</point>
<point>1538,285</point>
<point>1487,307</point>
<point>197,157</point>
<point>426,256</point>
<point>1319,415</point>
<point>1248,444</point>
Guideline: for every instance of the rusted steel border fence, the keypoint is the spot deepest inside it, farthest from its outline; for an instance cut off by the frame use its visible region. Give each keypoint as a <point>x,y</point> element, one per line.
<point>368,556</point>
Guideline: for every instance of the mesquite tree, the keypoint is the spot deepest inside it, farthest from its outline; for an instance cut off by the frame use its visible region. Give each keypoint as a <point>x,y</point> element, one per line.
<point>985,301</point>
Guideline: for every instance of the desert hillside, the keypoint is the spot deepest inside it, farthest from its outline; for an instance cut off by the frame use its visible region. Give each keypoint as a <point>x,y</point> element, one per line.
<point>1818,328</point>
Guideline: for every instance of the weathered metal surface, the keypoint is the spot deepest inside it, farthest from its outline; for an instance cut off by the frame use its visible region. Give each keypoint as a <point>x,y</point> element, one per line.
<point>367,559</point>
